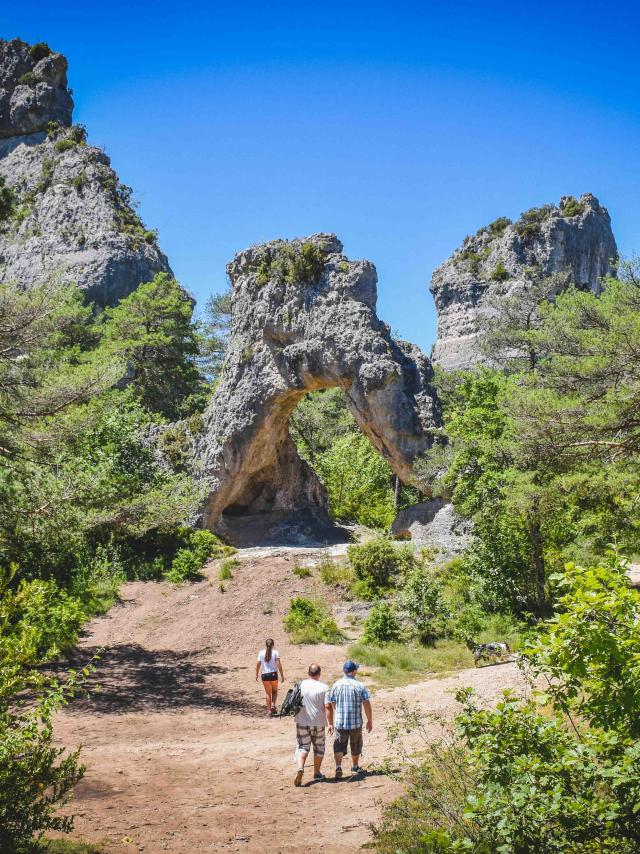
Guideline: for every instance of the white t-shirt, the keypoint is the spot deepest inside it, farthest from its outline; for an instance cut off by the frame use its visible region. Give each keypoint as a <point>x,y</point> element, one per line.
<point>270,666</point>
<point>314,696</point>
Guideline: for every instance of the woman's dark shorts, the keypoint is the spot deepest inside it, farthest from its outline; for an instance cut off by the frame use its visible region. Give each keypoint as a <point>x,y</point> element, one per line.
<point>348,737</point>
<point>269,677</point>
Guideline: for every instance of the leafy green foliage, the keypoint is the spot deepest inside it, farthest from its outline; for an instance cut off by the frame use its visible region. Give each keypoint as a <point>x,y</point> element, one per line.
<point>152,330</point>
<point>301,571</point>
<point>358,481</point>
<point>557,772</point>
<point>226,569</point>
<point>381,624</point>
<point>213,334</point>
<point>530,221</point>
<point>39,50</point>
<point>292,264</point>
<point>65,144</point>
<point>310,622</point>
<point>421,598</point>
<point>377,563</point>
<point>571,207</point>
<point>499,272</point>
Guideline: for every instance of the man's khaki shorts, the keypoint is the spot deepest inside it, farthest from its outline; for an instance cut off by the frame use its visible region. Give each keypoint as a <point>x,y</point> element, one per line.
<point>348,738</point>
<point>308,735</point>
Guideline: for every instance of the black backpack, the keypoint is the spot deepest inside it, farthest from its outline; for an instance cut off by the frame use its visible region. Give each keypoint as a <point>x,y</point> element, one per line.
<point>292,703</point>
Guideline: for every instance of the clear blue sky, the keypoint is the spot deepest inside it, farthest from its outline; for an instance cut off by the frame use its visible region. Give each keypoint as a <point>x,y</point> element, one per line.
<point>401,126</point>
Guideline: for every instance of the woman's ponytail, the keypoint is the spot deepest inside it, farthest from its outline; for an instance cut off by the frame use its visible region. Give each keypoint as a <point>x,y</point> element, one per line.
<point>268,649</point>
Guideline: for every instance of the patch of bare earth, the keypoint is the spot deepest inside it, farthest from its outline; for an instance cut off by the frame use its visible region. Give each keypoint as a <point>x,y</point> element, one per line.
<point>180,756</point>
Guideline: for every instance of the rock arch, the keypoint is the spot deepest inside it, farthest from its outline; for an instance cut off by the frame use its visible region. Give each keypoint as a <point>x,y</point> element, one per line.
<point>304,318</point>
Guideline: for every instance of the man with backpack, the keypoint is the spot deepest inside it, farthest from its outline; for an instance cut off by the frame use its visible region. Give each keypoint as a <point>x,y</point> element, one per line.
<point>311,720</point>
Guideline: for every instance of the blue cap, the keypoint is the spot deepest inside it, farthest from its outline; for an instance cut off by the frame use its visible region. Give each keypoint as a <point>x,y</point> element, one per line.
<point>350,666</point>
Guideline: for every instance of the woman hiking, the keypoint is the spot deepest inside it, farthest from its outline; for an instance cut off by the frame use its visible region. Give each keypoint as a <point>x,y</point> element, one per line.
<point>267,668</point>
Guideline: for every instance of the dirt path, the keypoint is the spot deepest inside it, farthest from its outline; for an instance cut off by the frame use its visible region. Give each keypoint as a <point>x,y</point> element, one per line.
<point>180,756</point>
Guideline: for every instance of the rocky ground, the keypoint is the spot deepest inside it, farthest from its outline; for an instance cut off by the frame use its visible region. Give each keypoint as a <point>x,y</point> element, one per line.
<point>180,756</point>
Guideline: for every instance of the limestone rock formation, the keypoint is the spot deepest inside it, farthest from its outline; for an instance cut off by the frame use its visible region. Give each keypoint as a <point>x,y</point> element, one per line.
<point>304,318</point>
<point>433,523</point>
<point>70,216</point>
<point>33,89</point>
<point>573,237</point>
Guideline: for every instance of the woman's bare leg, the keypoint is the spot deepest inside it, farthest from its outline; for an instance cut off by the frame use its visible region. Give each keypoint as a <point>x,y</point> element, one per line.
<point>267,691</point>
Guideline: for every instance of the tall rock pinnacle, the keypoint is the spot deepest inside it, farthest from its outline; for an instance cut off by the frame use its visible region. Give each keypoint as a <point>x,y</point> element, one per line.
<point>573,237</point>
<point>69,215</point>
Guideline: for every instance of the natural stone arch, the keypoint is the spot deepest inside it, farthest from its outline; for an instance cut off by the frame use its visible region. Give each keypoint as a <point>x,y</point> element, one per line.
<point>304,318</point>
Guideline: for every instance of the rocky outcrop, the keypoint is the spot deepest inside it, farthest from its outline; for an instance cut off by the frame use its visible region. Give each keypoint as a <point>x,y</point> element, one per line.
<point>573,237</point>
<point>33,89</point>
<point>304,318</point>
<point>433,523</point>
<point>70,216</point>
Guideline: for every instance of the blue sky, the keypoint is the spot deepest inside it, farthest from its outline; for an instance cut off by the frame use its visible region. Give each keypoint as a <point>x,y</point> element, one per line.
<point>401,126</point>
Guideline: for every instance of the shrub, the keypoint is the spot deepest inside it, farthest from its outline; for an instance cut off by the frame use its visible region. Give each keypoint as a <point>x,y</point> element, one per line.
<point>150,235</point>
<point>7,200</point>
<point>185,566</point>
<point>50,617</point>
<point>292,264</point>
<point>78,181</point>
<point>571,207</point>
<point>226,569</point>
<point>499,272</point>
<point>29,78</point>
<point>301,571</point>
<point>310,622</point>
<point>54,129</point>
<point>39,50</point>
<point>530,221</point>
<point>335,573</point>
<point>44,183</point>
<point>421,598</point>
<point>78,133</point>
<point>382,624</point>
<point>376,562</point>
<point>34,779</point>
<point>496,227</point>
<point>62,145</point>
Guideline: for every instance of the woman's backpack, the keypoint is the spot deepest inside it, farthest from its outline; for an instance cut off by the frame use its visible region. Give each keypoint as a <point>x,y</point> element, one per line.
<point>292,703</point>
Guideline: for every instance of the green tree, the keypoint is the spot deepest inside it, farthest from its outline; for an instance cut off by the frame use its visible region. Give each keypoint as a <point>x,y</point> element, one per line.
<point>153,331</point>
<point>213,334</point>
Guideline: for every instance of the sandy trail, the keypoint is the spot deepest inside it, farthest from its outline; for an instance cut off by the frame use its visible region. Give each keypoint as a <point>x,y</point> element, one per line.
<point>180,756</point>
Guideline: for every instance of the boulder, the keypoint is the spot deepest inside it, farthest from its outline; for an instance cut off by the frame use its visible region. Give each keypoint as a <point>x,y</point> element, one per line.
<point>433,523</point>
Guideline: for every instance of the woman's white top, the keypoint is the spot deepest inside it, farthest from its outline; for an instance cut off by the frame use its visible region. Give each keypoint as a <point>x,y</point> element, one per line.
<point>270,666</point>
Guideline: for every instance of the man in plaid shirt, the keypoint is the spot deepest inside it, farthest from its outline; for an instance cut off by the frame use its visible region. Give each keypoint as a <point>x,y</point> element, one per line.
<point>347,698</point>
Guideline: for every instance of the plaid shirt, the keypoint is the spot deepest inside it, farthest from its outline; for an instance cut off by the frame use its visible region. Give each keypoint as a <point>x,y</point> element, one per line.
<point>348,696</point>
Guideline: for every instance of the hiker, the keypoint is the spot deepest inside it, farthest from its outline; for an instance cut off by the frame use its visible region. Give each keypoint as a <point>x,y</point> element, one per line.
<point>311,721</point>
<point>267,668</point>
<point>347,698</point>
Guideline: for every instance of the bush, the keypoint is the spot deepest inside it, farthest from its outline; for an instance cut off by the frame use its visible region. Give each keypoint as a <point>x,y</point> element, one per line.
<point>381,624</point>
<point>29,78</point>
<point>572,207</point>
<point>421,597</point>
<point>496,227</point>
<point>198,547</point>
<point>310,622</point>
<point>78,181</point>
<point>185,566</point>
<point>39,50</point>
<point>34,779</point>
<point>62,145</point>
<point>529,223</point>
<point>499,273</point>
<point>335,573</point>
<point>301,571</point>
<point>226,569</point>
<point>376,563</point>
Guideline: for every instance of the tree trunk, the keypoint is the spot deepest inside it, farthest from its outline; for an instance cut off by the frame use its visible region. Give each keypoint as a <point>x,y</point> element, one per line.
<point>537,555</point>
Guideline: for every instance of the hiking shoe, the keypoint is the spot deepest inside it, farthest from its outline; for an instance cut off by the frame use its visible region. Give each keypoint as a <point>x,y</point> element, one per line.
<point>319,777</point>
<point>356,769</point>
<point>297,780</point>
<point>338,773</point>
<point>274,712</point>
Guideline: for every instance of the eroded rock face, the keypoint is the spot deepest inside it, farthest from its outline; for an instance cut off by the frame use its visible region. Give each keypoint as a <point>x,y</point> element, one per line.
<point>71,217</point>
<point>573,237</point>
<point>433,523</point>
<point>33,89</point>
<point>298,326</point>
